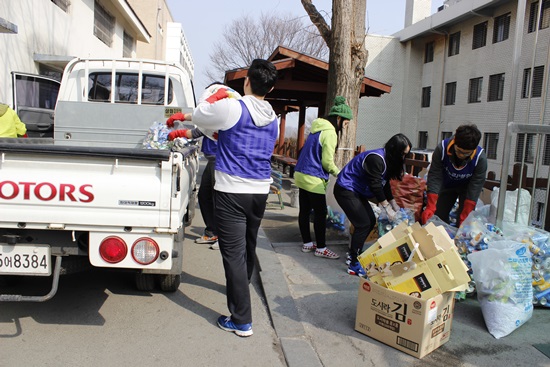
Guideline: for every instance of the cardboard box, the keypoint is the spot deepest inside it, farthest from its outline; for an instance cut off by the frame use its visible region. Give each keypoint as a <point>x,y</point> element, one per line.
<point>366,258</point>
<point>435,266</point>
<point>419,282</point>
<point>414,326</point>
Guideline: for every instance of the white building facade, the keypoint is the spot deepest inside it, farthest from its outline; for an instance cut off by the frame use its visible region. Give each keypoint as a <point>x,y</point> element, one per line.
<point>457,66</point>
<point>41,36</point>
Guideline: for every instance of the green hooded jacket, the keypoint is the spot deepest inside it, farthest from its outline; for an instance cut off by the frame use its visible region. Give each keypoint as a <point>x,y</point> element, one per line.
<point>328,140</point>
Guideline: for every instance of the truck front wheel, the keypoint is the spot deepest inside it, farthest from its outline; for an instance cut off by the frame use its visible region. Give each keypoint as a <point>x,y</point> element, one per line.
<point>170,282</point>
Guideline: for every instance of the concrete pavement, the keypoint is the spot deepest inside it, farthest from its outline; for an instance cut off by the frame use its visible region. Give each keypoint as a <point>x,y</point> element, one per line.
<point>312,303</point>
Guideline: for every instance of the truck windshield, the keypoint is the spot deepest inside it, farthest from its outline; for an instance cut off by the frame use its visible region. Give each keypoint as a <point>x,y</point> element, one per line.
<point>126,88</point>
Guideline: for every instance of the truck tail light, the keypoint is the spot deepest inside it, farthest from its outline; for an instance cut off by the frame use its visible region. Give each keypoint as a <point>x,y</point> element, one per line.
<point>113,249</point>
<point>145,251</point>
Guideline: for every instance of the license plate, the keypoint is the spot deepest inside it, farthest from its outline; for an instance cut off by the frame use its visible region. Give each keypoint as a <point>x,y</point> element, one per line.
<point>25,260</point>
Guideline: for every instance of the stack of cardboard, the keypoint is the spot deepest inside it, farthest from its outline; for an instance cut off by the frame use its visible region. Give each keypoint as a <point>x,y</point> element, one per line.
<point>408,298</point>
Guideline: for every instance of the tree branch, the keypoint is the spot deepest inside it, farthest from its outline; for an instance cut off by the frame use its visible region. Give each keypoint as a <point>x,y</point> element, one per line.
<point>318,20</point>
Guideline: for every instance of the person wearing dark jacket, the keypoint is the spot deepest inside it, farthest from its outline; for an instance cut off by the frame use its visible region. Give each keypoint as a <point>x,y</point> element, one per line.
<point>458,170</point>
<point>367,178</point>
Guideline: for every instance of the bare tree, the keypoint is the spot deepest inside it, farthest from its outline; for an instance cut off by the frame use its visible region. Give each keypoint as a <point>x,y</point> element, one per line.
<point>248,38</point>
<point>348,55</point>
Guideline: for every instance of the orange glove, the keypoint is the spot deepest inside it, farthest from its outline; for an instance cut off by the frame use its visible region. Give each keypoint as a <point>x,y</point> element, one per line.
<point>430,207</point>
<point>469,205</point>
<point>220,94</point>
<point>178,134</point>
<point>175,117</point>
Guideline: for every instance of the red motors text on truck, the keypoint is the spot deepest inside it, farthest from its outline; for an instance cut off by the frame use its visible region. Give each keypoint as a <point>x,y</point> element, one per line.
<point>46,191</point>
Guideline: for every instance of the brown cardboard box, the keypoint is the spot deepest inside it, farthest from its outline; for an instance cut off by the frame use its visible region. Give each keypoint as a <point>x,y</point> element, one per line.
<point>398,262</point>
<point>414,326</point>
<point>366,258</point>
<point>418,282</point>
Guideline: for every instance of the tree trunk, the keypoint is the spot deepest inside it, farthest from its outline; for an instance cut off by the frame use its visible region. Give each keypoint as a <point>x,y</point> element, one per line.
<point>347,61</point>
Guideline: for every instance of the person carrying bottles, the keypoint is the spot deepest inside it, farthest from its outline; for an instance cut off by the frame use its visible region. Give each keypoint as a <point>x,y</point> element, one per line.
<point>247,132</point>
<point>209,148</point>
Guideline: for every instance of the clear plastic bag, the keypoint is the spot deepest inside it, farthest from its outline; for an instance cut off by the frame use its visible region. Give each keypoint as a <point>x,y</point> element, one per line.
<point>451,230</point>
<point>157,137</point>
<point>502,274</point>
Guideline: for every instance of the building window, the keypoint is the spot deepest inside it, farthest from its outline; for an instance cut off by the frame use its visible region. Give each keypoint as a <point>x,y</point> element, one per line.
<point>490,144</point>
<point>529,147</point>
<point>501,30</point>
<point>546,154</point>
<point>426,95</point>
<point>474,93</point>
<point>532,83</point>
<point>450,93</point>
<point>104,24</point>
<point>429,52</point>
<point>446,135</point>
<point>63,4</point>
<point>480,35</point>
<point>534,12</point>
<point>127,45</point>
<point>454,44</point>
<point>422,139</point>
<point>496,87</point>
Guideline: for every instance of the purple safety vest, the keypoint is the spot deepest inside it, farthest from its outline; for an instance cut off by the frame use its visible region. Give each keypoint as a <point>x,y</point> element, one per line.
<point>454,176</point>
<point>354,178</point>
<point>310,159</point>
<point>245,150</point>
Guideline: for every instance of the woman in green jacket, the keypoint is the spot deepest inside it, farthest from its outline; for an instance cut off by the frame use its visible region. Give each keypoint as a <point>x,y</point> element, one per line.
<point>315,164</point>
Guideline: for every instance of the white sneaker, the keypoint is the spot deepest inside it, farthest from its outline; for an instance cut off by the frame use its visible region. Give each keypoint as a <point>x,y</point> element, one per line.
<point>215,246</point>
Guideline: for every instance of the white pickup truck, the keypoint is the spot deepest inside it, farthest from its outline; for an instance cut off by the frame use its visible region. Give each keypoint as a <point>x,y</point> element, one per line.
<point>92,194</point>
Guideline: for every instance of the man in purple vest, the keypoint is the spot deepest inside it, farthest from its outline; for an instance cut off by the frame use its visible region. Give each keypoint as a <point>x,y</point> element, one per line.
<point>247,131</point>
<point>458,170</point>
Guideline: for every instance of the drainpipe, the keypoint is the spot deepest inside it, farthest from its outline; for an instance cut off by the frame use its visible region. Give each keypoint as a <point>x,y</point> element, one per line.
<point>442,100</point>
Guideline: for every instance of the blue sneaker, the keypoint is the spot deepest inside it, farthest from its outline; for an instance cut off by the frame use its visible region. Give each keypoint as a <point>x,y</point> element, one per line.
<point>356,269</point>
<point>225,323</point>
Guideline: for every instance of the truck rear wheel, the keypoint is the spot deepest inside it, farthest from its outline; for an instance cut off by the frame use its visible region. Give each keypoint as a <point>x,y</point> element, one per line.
<point>145,282</point>
<point>170,282</point>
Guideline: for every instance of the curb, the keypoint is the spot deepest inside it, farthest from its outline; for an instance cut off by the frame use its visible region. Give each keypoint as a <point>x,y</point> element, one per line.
<point>296,346</point>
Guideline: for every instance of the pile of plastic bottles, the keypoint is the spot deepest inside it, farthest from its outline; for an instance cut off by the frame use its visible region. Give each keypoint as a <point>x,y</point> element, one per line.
<point>157,137</point>
<point>385,225</point>
<point>475,234</point>
<point>539,245</point>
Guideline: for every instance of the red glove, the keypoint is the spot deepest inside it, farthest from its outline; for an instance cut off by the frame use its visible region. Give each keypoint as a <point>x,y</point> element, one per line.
<point>178,134</point>
<point>430,207</point>
<point>175,117</point>
<point>469,205</point>
<point>220,94</point>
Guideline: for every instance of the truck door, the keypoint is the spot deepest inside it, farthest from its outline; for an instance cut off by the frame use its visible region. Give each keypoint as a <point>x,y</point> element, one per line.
<point>34,99</point>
